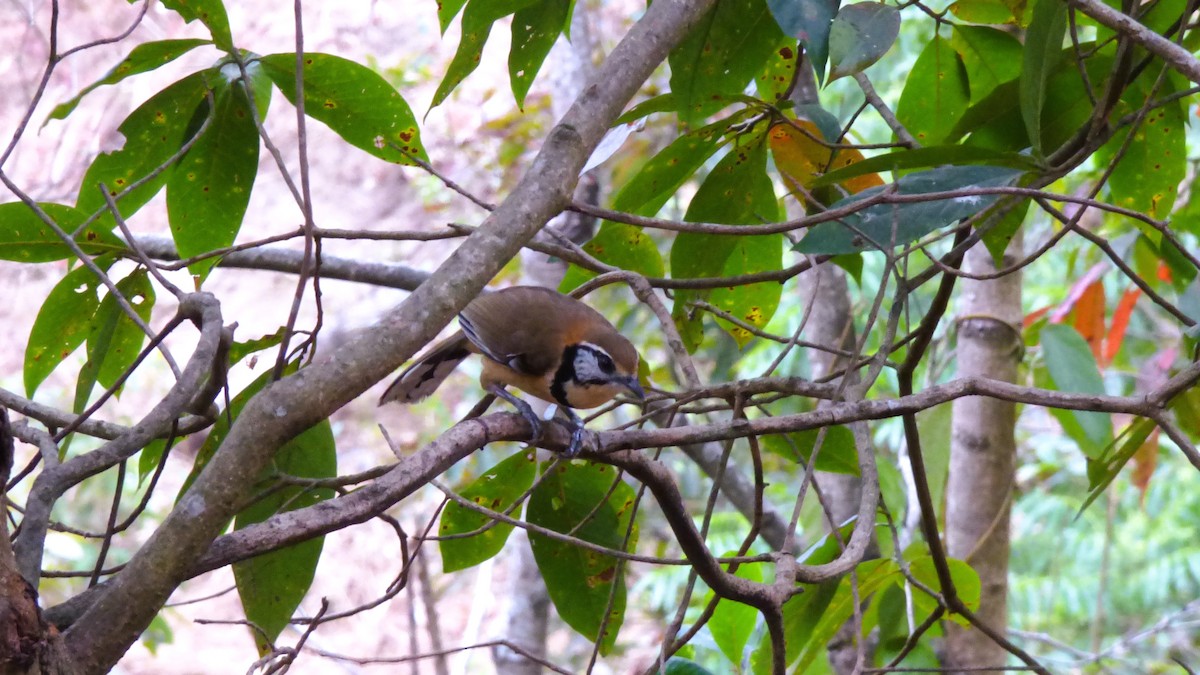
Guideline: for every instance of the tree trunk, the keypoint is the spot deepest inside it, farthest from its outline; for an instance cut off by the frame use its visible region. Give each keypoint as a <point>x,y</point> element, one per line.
<point>979,487</point>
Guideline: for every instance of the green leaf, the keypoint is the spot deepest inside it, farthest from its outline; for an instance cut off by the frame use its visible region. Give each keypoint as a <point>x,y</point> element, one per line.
<point>476,26</point>
<point>1072,368</point>
<point>240,350</point>
<point>447,10</point>
<point>353,101</point>
<point>732,622</point>
<point>496,489</point>
<point>889,225</point>
<point>154,133</point>
<point>809,21</point>
<point>990,56</point>
<point>721,55</point>
<point>801,614</point>
<point>1103,470</point>
<point>838,453</point>
<point>587,588</point>
<point>209,190</point>
<point>935,94</point>
<point>26,238</point>
<point>534,31</point>
<point>1041,55</point>
<point>144,58</point>
<point>737,191</point>
<point>272,585</point>
<point>680,666</point>
<point>983,11</point>
<point>775,78</point>
<point>211,13</point>
<point>926,157</point>
<point>127,338</point>
<point>622,245</point>
<point>1147,175</point>
<point>965,579</point>
<point>655,104</point>
<point>933,424</point>
<point>872,576</point>
<point>62,324</point>
<point>859,36</point>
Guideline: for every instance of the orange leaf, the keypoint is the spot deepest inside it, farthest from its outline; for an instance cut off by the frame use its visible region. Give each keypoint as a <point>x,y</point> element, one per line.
<point>1089,317</point>
<point>1032,317</point>
<point>1120,321</point>
<point>799,155</point>
<point>1144,462</point>
<point>1164,271</point>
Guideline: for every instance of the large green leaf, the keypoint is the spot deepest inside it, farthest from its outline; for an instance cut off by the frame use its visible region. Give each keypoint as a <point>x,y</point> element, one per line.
<point>887,225</point>
<point>496,489</point>
<point>622,245</point>
<point>721,55</point>
<point>534,30</point>
<point>737,191</point>
<point>935,94</point>
<point>272,585</point>
<point>154,133</point>
<point>860,35</point>
<point>477,23</point>
<point>990,56</point>
<point>926,157</point>
<point>24,237</point>
<point>1072,368</point>
<point>353,101</point>
<point>211,13</point>
<point>209,190</point>
<point>63,323</point>
<point>1147,175</point>
<point>143,58</point>
<point>810,22</point>
<point>838,453</point>
<point>1042,54</point>
<point>871,576</point>
<point>732,623</point>
<point>587,588</point>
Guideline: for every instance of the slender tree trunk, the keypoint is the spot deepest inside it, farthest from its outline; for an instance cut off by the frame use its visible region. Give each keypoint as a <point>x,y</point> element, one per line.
<point>979,487</point>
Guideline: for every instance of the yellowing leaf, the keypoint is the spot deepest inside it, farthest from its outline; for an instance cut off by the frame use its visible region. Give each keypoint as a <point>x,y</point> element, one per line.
<point>800,156</point>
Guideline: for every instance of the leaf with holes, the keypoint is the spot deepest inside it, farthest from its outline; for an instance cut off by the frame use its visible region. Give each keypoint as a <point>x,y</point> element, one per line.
<point>721,55</point>
<point>272,585</point>
<point>1152,163</point>
<point>477,21</point>
<point>935,94</point>
<point>143,58</point>
<point>209,191</point>
<point>589,502</point>
<point>26,238</point>
<point>62,324</point>
<point>497,489</point>
<point>211,13</point>
<point>353,101</point>
<point>154,133</point>
<point>859,36</point>
<point>883,226</point>
<point>1072,368</point>
<point>114,340</point>
<point>625,246</point>
<point>534,31</point>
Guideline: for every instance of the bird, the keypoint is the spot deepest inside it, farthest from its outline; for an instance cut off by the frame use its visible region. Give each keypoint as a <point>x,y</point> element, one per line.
<point>548,345</point>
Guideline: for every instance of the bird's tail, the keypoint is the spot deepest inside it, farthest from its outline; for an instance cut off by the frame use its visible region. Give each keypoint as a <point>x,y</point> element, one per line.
<point>424,376</point>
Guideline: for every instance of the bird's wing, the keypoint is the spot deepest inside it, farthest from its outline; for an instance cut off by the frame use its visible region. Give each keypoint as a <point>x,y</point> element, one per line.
<point>514,327</point>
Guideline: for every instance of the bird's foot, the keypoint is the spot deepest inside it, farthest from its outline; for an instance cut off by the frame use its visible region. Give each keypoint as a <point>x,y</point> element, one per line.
<point>577,430</point>
<point>535,423</point>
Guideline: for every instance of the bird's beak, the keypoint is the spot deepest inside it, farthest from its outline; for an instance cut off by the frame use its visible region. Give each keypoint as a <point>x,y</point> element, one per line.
<point>631,383</point>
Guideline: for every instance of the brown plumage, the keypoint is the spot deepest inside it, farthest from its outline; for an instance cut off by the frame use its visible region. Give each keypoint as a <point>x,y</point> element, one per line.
<point>542,342</point>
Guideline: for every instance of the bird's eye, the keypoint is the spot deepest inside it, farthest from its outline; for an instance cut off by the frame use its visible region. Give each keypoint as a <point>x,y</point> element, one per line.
<point>605,364</point>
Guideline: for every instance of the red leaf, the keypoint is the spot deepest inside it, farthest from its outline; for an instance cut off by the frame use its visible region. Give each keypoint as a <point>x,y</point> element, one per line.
<point>1089,317</point>
<point>1120,321</point>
